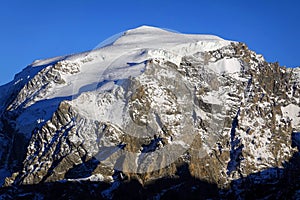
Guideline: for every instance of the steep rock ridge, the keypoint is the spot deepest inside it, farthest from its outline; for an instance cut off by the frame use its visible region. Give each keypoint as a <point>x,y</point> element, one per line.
<point>20,107</point>
<point>172,106</point>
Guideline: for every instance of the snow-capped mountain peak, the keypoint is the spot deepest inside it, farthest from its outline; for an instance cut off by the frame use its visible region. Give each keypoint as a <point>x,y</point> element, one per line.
<point>149,103</point>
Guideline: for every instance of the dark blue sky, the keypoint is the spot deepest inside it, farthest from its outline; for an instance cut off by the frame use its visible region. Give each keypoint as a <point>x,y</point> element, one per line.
<point>40,29</point>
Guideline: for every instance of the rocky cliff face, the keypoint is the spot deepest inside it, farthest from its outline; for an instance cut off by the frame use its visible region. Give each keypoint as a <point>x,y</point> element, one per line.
<point>202,115</point>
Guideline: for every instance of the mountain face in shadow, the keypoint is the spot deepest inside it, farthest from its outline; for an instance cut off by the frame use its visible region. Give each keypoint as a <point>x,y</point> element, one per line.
<point>274,183</point>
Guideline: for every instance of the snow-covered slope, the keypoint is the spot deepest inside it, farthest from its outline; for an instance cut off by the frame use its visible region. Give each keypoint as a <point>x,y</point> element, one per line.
<point>145,103</point>
<point>119,59</point>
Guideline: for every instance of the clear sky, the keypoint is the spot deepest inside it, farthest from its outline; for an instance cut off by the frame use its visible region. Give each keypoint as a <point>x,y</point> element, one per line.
<point>37,29</point>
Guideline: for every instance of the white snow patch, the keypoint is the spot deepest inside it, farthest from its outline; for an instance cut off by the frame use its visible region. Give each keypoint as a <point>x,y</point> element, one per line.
<point>94,177</point>
<point>231,65</point>
<point>212,98</point>
<point>47,61</point>
<point>292,112</point>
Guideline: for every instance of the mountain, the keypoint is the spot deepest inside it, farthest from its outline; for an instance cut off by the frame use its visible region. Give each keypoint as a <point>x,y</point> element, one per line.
<point>152,114</point>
